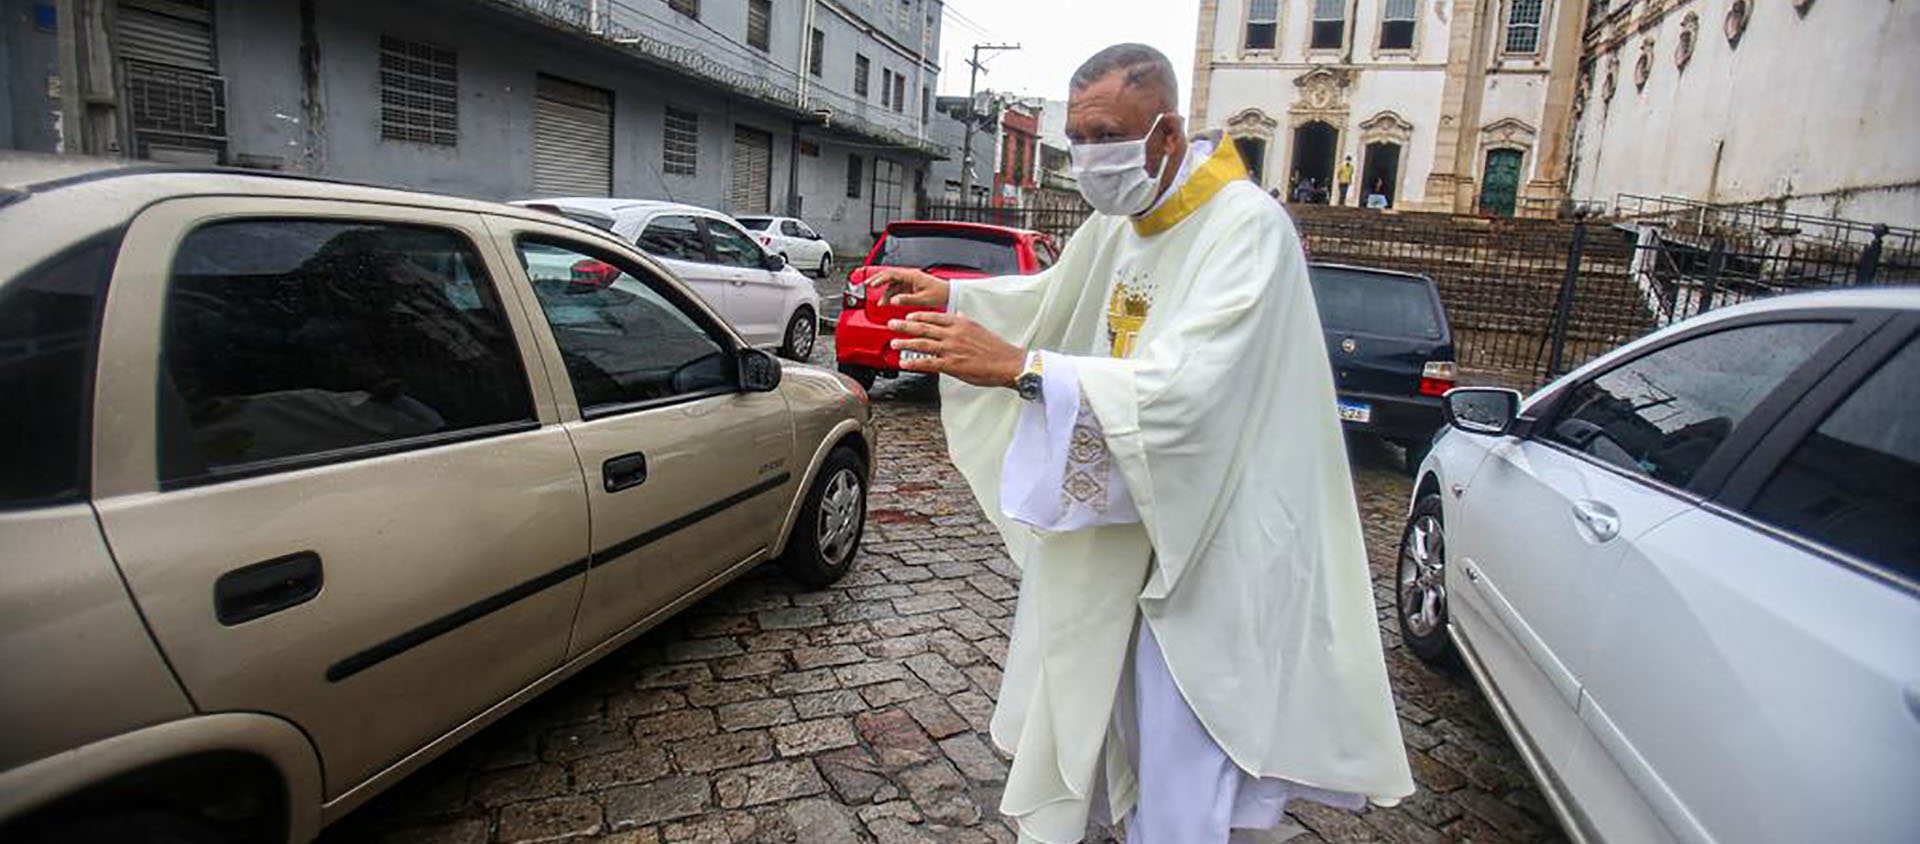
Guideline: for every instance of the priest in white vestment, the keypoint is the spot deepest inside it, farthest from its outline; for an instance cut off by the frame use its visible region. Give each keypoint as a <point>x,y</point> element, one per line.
<point>1150,424</point>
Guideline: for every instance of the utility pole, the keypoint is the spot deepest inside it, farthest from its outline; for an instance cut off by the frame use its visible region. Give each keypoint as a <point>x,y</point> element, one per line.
<point>973,84</point>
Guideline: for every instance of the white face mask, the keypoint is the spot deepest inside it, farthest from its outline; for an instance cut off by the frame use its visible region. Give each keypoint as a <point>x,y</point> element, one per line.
<point>1113,177</point>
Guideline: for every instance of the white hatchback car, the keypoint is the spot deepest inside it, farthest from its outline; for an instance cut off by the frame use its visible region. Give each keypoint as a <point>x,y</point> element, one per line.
<point>803,246</point>
<point>1687,575</point>
<point>769,302</point>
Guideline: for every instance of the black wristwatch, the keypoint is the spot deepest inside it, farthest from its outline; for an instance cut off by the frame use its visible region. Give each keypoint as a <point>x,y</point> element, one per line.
<point>1029,383</point>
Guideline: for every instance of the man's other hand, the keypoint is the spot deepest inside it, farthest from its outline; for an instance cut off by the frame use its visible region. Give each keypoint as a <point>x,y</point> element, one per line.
<point>907,289</point>
<point>960,348</point>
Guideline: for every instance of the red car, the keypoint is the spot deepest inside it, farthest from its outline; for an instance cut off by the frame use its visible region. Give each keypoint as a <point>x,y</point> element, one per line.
<point>944,250</point>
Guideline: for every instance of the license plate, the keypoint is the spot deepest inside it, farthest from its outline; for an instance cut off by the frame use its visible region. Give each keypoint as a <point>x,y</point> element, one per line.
<point>1353,411</point>
<point>909,354</point>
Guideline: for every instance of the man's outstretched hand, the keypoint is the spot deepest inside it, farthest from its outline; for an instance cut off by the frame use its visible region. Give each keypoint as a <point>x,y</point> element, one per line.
<point>907,289</point>
<point>960,347</point>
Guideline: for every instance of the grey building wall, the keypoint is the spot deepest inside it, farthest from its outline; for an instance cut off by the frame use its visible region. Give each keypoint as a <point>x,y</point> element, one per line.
<point>499,62</point>
<point>323,116</point>
<point>950,130</point>
<point>29,58</point>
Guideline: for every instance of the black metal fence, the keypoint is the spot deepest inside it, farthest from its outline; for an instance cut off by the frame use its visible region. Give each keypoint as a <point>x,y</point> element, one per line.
<point>1058,221</point>
<point>1530,299</point>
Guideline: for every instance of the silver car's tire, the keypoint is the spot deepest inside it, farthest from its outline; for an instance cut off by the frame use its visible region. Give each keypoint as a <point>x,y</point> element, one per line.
<point>826,264</point>
<point>1420,583</point>
<point>802,331</point>
<point>832,520</point>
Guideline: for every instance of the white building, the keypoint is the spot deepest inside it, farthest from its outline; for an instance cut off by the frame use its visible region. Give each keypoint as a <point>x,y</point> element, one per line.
<point>1446,105</point>
<point>1802,106</point>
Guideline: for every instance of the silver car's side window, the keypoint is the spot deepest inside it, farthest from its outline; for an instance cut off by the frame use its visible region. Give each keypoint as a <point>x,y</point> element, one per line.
<point>623,341</point>
<point>1664,414</point>
<point>1854,482</point>
<point>291,341</point>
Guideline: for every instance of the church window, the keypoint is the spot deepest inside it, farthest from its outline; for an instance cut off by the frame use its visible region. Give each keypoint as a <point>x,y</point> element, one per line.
<point>1523,26</point>
<point>1263,24</point>
<point>1329,24</point>
<point>1396,25</point>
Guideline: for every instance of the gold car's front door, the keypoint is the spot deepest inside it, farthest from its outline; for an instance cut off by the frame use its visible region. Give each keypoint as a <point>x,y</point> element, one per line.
<point>688,476</point>
<point>322,466</point>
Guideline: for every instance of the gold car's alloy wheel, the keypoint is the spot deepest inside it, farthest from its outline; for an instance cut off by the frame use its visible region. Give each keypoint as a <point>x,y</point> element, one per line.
<point>840,513</point>
<point>1422,576</point>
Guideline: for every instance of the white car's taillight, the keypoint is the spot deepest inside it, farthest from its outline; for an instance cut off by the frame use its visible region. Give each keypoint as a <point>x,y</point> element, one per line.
<point>1437,377</point>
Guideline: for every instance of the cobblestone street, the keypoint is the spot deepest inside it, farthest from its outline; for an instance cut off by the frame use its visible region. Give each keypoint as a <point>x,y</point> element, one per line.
<point>768,713</point>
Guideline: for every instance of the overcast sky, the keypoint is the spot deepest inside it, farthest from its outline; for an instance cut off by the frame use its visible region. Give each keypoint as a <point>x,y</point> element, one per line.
<point>1056,36</point>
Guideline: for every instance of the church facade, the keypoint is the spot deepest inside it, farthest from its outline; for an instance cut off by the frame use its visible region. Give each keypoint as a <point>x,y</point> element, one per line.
<point>1442,105</point>
<point>1802,106</point>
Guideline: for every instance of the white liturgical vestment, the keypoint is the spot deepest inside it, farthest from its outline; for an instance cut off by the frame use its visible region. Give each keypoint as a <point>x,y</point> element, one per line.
<point>1194,342</point>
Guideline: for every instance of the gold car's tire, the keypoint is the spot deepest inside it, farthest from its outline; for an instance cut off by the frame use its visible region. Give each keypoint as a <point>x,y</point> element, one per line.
<point>133,828</point>
<point>832,521</point>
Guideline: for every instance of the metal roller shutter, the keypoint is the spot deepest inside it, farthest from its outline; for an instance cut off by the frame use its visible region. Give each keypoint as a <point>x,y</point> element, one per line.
<point>572,139</point>
<point>179,34</point>
<point>752,170</point>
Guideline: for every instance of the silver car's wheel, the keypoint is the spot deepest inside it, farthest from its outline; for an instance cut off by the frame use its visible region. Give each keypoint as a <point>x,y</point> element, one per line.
<point>1421,582</point>
<point>841,508</point>
<point>801,331</point>
<point>826,265</point>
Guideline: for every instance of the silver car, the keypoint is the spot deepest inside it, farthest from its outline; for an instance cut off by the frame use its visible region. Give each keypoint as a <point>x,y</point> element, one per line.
<point>1688,574</point>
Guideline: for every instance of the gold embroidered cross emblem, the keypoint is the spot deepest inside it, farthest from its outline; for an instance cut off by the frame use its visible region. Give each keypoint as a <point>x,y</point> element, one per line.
<point>1126,312</point>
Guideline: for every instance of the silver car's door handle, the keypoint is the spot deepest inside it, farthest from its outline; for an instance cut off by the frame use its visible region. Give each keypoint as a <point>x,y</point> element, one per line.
<point>1598,518</point>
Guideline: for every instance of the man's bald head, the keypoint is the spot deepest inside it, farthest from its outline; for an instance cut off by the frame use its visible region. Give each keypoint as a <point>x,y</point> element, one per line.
<point>1143,72</point>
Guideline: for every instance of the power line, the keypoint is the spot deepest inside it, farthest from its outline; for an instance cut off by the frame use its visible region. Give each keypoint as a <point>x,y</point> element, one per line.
<point>966,22</point>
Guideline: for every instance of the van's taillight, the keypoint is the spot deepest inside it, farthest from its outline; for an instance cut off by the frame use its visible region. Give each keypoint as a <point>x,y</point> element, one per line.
<point>595,273</point>
<point>856,296</point>
<point>1437,377</point>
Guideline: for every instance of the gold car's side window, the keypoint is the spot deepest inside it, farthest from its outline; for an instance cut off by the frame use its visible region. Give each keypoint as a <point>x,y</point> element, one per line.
<point>623,342</point>
<point>293,341</point>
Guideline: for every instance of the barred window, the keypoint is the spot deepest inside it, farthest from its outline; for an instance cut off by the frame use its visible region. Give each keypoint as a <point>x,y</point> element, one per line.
<point>816,60</point>
<point>759,23</point>
<point>1396,25</point>
<point>419,92</point>
<point>886,87</point>
<point>856,172</point>
<point>1523,26</point>
<point>682,148</point>
<point>1329,24</point>
<point>862,69</point>
<point>900,93</point>
<point>1263,24</point>
<point>690,8</point>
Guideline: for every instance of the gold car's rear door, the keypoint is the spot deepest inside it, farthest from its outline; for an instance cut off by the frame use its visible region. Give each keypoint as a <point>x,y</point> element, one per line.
<point>332,475</point>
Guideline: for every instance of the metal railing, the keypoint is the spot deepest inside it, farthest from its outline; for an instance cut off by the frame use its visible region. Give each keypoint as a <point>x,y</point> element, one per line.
<point>175,105</point>
<point>1530,299</point>
<point>1059,221</point>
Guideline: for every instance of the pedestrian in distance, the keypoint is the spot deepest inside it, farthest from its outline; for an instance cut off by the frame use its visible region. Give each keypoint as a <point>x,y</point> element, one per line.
<point>1346,178</point>
<point>1150,425</point>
